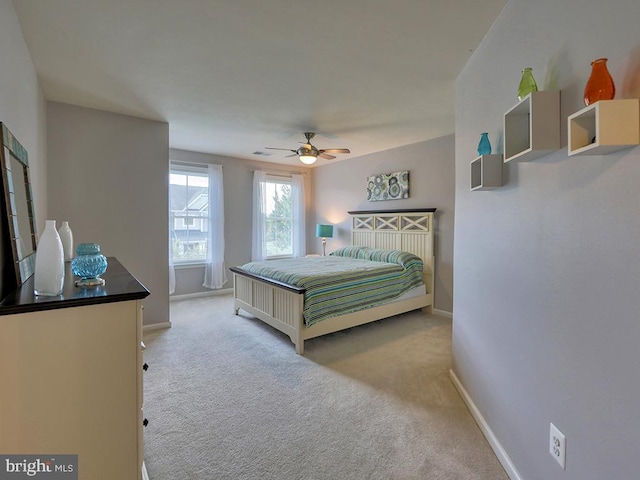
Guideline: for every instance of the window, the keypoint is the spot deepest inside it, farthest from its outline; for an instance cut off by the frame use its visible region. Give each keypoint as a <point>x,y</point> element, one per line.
<point>188,212</point>
<point>278,216</point>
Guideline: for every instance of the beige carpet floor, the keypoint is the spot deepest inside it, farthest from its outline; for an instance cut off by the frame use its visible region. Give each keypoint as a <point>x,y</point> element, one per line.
<point>228,398</point>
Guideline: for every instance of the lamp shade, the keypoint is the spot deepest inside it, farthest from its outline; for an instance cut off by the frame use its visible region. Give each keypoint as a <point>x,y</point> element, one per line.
<point>324,231</point>
<point>308,159</point>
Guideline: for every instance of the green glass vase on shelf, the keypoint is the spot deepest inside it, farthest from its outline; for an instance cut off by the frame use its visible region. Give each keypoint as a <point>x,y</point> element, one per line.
<point>600,85</point>
<point>527,83</point>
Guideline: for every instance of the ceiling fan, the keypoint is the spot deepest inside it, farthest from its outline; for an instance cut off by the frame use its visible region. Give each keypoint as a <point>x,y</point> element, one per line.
<point>308,154</point>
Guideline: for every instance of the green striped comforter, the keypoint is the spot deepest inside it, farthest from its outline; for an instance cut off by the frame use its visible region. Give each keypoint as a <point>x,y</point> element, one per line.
<point>350,279</point>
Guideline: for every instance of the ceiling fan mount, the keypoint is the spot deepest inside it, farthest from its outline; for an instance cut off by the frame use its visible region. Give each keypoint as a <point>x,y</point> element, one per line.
<point>308,154</point>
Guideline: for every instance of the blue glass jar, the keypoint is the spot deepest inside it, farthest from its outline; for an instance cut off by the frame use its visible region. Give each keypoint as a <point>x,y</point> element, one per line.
<point>484,146</point>
<point>89,264</point>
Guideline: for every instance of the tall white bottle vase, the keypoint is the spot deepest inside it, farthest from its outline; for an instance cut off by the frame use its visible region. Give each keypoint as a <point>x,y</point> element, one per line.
<point>49,275</point>
<point>66,237</point>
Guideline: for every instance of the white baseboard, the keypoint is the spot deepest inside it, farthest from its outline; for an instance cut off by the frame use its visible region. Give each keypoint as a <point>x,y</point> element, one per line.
<point>495,444</point>
<point>145,475</point>
<point>442,313</point>
<point>187,296</point>
<point>156,326</point>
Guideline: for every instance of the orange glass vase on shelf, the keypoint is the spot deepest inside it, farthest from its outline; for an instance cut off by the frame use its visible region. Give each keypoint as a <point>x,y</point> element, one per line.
<point>600,84</point>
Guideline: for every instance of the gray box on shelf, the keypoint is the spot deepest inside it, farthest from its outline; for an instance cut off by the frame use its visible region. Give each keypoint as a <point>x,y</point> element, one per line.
<point>532,127</point>
<point>486,172</point>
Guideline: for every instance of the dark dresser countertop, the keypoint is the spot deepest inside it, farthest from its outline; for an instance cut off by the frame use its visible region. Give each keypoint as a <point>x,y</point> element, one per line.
<point>119,286</point>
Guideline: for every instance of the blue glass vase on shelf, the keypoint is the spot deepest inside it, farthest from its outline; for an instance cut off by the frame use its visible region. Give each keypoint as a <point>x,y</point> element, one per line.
<point>484,146</point>
<point>89,265</point>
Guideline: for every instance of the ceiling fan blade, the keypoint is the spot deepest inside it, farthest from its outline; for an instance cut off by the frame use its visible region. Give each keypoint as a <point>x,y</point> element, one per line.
<point>336,150</point>
<point>324,155</point>
<point>289,156</point>
<point>274,148</point>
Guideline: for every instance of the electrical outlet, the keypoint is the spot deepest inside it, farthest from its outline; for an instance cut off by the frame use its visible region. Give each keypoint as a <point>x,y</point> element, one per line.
<point>557,445</point>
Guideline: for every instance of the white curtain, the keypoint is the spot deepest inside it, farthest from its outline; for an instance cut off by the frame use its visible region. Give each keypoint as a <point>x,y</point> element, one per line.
<point>215,273</point>
<point>299,217</point>
<point>172,270</point>
<point>258,244</point>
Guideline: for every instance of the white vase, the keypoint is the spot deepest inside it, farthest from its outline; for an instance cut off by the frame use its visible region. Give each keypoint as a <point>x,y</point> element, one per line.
<point>49,276</point>
<point>66,237</point>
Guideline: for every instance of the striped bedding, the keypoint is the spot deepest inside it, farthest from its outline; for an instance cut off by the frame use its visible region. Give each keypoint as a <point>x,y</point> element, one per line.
<point>348,280</point>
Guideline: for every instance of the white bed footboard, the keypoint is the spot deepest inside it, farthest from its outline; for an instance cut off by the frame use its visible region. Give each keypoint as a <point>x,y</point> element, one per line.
<point>274,304</point>
<point>282,309</point>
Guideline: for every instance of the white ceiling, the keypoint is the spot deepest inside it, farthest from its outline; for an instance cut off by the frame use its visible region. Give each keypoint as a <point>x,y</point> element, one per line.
<point>232,77</point>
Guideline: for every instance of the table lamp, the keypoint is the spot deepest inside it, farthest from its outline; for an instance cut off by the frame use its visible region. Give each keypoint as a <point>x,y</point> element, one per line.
<point>324,232</point>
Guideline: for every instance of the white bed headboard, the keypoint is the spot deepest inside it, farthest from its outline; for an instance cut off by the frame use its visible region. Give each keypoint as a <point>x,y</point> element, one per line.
<point>410,230</point>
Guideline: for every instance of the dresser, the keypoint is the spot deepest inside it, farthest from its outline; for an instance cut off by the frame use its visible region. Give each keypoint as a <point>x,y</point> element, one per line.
<point>71,372</point>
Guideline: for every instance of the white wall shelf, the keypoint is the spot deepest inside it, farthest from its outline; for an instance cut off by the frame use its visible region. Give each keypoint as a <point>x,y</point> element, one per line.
<point>486,172</point>
<point>604,127</point>
<point>532,127</point>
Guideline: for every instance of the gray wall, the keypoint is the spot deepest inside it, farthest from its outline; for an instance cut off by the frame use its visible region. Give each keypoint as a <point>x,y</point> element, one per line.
<point>109,176</point>
<point>22,110</point>
<point>238,186</point>
<point>547,267</point>
<point>22,105</point>
<point>341,186</point>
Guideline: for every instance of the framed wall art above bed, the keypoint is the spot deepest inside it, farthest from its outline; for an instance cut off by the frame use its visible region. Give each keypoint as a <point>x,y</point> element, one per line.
<point>395,235</point>
<point>388,186</point>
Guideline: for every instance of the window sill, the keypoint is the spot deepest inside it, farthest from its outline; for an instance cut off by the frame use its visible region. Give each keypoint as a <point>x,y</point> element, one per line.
<point>186,265</point>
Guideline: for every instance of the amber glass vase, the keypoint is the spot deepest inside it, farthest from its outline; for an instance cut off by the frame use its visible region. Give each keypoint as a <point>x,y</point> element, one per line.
<point>600,84</point>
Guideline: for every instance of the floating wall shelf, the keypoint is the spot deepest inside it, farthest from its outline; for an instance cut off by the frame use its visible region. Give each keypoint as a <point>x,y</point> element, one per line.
<point>532,127</point>
<point>604,127</point>
<point>486,172</point>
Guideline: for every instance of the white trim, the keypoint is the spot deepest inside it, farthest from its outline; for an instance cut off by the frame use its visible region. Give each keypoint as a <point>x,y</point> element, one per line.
<point>279,257</point>
<point>442,313</point>
<point>277,177</point>
<point>185,265</point>
<point>156,326</point>
<point>145,475</point>
<point>281,173</point>
<point>196,168</point>
<point>495,444</point>
<point>187,296</point>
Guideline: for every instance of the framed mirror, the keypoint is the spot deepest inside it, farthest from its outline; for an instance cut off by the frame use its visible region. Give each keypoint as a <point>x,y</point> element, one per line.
<point>18,198</point>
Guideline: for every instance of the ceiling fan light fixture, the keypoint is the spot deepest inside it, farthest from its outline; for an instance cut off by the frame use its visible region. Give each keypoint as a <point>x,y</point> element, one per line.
<point>308,154</point>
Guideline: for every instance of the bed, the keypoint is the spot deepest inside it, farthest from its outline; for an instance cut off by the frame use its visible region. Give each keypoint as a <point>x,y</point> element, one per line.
<point>281,304</point>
